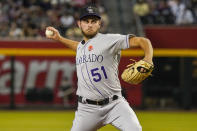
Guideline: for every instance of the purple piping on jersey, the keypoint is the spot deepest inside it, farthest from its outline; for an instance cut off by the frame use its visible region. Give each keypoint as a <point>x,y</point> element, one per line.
<point>84,78</point>
<point>91,81</point>
<point>89,74</point>
<point>83,75</point>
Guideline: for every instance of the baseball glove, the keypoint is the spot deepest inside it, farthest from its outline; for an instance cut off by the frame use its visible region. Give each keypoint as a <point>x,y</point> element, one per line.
<point>136,72</point>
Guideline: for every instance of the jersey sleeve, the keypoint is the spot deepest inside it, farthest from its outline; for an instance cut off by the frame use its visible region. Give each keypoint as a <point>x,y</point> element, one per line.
<point>121,42</point>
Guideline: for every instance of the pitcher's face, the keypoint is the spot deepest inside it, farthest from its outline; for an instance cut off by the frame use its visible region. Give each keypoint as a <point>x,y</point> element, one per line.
<point>89,26</point>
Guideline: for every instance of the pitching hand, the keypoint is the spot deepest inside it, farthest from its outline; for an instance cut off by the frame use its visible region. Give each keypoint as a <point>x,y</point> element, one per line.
<point>56,35</point>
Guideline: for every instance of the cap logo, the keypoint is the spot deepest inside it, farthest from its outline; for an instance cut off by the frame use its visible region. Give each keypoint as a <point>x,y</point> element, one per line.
<point>90,10</point>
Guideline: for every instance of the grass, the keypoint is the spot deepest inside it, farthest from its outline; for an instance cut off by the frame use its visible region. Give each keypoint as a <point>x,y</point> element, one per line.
<point>62,121</point>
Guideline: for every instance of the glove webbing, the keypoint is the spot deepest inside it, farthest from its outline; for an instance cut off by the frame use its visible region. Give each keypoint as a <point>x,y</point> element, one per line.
<point>139,75</point>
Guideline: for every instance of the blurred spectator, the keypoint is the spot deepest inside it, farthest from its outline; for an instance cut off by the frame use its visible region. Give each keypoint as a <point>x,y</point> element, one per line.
<point>183,15</point>
<point>185,18</point>
<point>164,15</point>
<point>177,7</point>
<point>180,12</point>
<point>67,20</point>
<point>141,9</point>
<point>41,31</point>
<point>74,33</point>
<point>29,18</point>
<point>15,31</point>
<point>193,5</point>
<point>153,13</point>
<point>4,29</point>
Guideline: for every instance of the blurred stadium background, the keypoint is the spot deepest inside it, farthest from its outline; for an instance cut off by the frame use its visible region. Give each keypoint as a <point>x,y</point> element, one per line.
<point>38,77</point>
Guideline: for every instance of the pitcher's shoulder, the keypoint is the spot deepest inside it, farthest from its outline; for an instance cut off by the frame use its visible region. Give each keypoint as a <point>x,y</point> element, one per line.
<point>110,36</point>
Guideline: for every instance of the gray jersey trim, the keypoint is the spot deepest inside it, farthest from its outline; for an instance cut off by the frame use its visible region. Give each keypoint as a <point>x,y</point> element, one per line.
<point>127,39</point>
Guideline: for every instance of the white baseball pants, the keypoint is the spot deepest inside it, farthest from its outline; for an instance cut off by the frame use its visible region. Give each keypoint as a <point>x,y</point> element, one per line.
<point>117,113</point>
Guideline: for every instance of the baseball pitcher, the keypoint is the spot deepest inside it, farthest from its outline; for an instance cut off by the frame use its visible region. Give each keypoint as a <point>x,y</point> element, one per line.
<point>99,91</point>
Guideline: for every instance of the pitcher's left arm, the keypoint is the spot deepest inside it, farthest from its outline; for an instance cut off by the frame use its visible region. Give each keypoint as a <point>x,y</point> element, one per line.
<point>145,45</point>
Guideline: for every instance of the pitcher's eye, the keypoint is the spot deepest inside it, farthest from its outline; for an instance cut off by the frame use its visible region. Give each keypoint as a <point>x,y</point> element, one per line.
<point>94,21</point>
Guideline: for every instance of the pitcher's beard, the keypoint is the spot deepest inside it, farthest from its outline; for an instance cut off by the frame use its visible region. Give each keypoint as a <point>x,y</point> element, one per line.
<point>89,36</point>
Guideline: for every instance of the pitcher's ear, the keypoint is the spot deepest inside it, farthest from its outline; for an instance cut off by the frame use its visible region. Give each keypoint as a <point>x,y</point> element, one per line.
<point>100,22</point>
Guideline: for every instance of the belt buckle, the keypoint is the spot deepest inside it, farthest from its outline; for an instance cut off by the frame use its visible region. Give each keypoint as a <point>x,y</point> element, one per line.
<point>97,102</point>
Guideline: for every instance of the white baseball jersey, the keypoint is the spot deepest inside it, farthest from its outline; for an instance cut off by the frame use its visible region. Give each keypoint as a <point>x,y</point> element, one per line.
<point>97,65</point>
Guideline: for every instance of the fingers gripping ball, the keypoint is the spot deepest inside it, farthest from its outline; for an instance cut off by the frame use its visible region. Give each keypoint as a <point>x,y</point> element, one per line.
<point>49,33</point>
<point>136,72</point>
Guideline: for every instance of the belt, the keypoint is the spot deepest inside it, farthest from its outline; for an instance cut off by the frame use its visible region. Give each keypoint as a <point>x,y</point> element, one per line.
<point>100,102</point>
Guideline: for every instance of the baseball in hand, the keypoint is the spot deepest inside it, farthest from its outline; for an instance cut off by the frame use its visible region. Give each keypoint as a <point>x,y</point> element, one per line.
<point>49,33</point>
